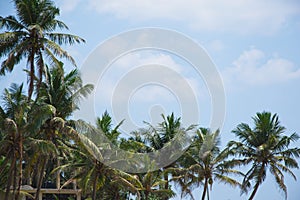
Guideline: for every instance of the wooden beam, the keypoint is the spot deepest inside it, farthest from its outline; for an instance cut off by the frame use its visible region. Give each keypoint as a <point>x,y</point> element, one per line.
<point>55,191</point>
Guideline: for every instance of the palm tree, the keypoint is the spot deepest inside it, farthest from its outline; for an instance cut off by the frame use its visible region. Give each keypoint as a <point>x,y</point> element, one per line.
<point>203,162</point>
<point>153,184</point>
<point>12,122</point>
<point>63,92</point>
<point>264,147</point>
<point>105,125</point>
<point>91,174</point>
<point>31,35</point>
<point>164,134</point>
<point>20,119</point>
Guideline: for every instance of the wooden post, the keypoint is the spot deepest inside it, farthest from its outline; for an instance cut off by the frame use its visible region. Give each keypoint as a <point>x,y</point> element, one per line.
<point>40,195</point>
<point>78,196</point>
<point>58,176</point>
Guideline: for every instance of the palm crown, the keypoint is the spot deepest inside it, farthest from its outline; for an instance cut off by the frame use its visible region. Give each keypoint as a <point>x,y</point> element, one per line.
<point>265,148</point>
<point>31,35</point>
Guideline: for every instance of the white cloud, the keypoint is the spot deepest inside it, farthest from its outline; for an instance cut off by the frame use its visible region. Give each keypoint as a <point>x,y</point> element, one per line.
<point>163,69</point>
<point>259,16</point>
<point>140,81</point>
<point>67,6</point>
<point>254,68</point>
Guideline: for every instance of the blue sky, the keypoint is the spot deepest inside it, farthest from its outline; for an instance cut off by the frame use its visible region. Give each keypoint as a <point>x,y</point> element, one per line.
<point>254,44</point>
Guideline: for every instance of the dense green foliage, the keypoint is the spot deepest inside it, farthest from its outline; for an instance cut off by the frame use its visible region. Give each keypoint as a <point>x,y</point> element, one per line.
<point>41,146</point>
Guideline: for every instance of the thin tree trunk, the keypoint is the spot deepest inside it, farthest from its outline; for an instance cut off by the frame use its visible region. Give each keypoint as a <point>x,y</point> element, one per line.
<point>10,177</point>
<point>20,165</point>
<point>40,72</point>
<point>15,176</point>
<point>31,75</point>
<point>205,189</point>
<point>95,186</point>
<point>40,180</point>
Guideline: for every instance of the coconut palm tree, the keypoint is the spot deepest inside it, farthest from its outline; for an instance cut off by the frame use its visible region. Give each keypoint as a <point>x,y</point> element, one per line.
<point>63,92</point>
<point>12,125</point>
<point>165,134</point>
<point>92,174</point>
<point>265,148</point>
<point>31,35</point>
<point>20,119</point>
<point>203,163</point>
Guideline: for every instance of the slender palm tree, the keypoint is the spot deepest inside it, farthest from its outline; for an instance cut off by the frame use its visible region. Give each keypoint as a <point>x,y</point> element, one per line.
<point>203,163</point>
<point>31,35</point>
<point>264,147</point>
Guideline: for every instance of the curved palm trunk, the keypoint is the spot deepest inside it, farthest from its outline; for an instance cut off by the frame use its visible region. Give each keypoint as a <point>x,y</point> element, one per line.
<point>205,189</point>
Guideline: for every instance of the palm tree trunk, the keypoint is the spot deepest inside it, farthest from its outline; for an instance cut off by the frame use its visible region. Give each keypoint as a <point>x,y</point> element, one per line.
<point>205,189</point>
<point>254,191</point>
<point>20,165</point>
<point>40,179</point>
<point>10,177</point>
<point>258,182</point>
<point>95,186</point>
<point>31,75</point>
<point>166,177</point>
<point>15,176</point>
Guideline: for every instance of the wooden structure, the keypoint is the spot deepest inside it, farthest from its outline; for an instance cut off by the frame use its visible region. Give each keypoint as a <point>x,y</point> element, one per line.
<point>76,192</point>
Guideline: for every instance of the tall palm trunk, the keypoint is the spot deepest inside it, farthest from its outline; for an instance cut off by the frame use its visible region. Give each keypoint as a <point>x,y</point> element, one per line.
<point>205,188</point>
<point>15,177</point>
<point>10,177</point>
<point>20,164</point>
<point>40,178</point>
<point>31,75</point>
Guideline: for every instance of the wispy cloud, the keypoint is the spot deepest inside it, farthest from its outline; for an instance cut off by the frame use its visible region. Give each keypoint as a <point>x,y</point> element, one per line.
<point>248,16</point>
<point>254,68</point>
